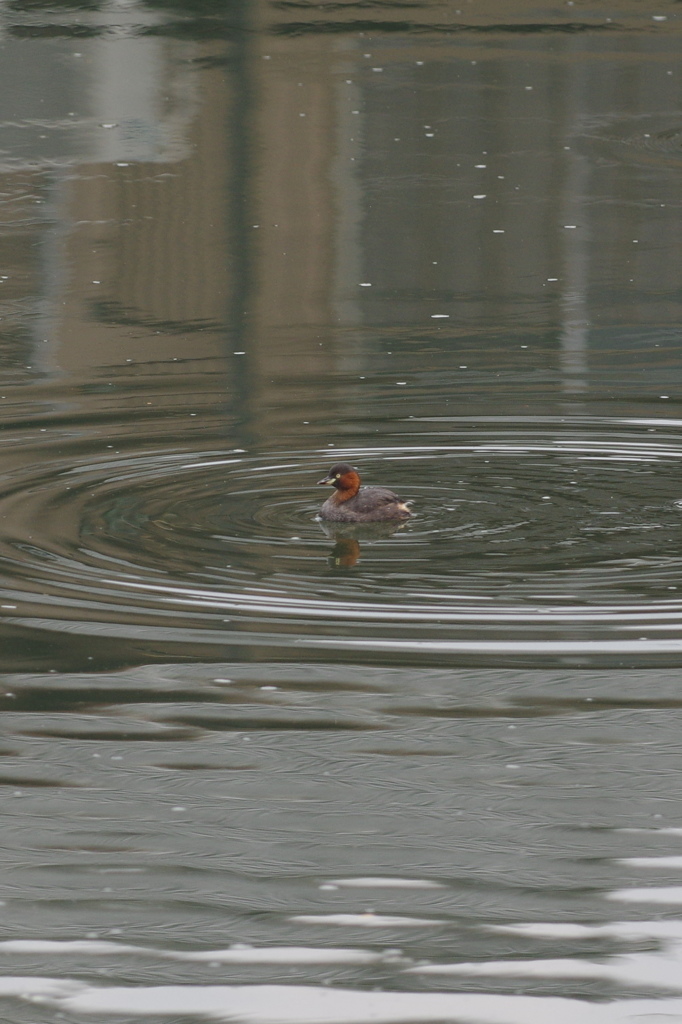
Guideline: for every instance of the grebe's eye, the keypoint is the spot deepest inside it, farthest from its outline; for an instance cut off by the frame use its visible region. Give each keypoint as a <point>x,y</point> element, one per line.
<point>338,476</point>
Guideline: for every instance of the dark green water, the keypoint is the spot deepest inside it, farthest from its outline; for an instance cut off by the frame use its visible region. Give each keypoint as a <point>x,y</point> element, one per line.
<point>255,768</point>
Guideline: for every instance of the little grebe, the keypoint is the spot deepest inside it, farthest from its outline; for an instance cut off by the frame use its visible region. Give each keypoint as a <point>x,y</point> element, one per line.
<point>351,503</point>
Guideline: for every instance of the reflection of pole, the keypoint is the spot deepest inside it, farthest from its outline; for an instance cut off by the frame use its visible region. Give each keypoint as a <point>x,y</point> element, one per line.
<point>240,207</point>
<point>575,238</point>
<point>346,167</point>
<point>53,274</point>
<point>575,323</point>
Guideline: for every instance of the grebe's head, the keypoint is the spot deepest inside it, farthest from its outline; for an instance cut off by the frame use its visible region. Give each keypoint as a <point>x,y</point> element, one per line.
<point>343,477</point>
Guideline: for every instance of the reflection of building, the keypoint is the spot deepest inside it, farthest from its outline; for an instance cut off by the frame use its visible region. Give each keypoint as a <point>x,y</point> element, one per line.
<point>91,98</point>
<point>154,236</point>
<point>497,178</point>
<point>103,130</point>
<point>293,190</point>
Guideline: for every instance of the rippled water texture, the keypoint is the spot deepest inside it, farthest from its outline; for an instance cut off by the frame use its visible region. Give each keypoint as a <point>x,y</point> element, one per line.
<point>547,537</point>
<point>267,769</point>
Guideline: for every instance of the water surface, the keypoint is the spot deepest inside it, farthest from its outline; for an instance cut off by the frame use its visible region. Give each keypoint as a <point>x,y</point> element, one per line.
<point>257,768</point>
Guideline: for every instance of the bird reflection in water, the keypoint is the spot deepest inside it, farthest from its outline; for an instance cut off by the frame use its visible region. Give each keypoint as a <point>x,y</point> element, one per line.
<point>347,537</point>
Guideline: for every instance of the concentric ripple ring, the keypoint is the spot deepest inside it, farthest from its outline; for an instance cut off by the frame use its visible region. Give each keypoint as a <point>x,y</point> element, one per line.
<point>545,538</point>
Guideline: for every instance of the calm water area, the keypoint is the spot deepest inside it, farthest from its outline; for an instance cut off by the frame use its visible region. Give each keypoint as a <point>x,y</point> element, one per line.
<point>257,768</point>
